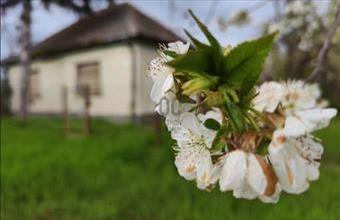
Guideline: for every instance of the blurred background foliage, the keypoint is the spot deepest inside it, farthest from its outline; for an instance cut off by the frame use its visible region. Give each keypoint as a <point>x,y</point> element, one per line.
<point>303,31</point>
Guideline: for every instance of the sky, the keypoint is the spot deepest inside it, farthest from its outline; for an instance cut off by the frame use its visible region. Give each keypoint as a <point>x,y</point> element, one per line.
<point>48,22</point>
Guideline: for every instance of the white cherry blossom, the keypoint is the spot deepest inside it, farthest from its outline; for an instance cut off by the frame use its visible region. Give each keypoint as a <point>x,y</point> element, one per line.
<point>208,134</point>
<point>306,121</point>
<point>192,131</point>
<point>249,176</point>
<point>295,161</point>
<point>179,47</point>
<point>269,96</point>
<point>194,162</point>
<point>299,102</point>
<point>215,114</point>
<point>299,96</point>
<point>162,78</point>
<point>162,74</point>
<point>293,96</point>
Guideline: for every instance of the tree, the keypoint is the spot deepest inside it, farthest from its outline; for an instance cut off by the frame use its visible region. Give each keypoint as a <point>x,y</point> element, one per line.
<point>303,32</point>
<point>5,93</point>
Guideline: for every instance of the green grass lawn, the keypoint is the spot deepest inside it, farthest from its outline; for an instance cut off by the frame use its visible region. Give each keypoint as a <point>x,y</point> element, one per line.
<point>119,173</point>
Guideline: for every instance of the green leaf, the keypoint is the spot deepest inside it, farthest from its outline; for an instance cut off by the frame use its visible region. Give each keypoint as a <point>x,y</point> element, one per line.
<point>235,116</point>
<point>216,50</point>
<point>194,61</point>
<point>243,65</point>
<point>212,124</point>
<point>217,143</point>
<point>262,149</point>
<point>212,40</point>
<point>197,43</point>
<point>252,70</point>
<point>170,53</point>
<point>246,99</point>
<point>229,92</point>
<point>216,54</point>
<point>205,59</point>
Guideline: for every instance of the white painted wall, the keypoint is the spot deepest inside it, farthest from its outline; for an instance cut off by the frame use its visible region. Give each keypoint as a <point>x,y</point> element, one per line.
<point>115,65</point>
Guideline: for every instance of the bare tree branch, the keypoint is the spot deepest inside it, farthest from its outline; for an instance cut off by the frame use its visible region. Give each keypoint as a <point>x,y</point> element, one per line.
<point>81,7</point>
<point>325,49</point>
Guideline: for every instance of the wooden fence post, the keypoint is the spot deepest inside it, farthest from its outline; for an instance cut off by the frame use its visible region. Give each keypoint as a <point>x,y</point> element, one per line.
<point>64,100</point>
<point>158,129</point>
<point>86,113</point>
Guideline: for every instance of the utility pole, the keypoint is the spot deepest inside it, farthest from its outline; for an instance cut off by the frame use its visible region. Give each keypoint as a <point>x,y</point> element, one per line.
<point>86,112</point>
<point>64,100</point>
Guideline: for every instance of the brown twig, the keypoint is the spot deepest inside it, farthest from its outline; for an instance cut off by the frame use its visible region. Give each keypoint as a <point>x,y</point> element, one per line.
<point>325,48</point>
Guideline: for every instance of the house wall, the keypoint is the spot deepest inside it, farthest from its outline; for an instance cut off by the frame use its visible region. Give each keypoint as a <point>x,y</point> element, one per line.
<point>115,63</point>
<point>115,76</point>
<point>14,82</point>
<point>115,73</point>
<point>50,80</point>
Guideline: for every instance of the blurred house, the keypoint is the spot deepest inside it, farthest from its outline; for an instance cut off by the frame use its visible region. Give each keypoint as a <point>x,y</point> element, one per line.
<point>107,52</point>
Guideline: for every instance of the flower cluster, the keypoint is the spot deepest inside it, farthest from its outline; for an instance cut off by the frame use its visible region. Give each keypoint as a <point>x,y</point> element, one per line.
<point>255,142</point>
<point>299,16</point>
<point>294,111</point>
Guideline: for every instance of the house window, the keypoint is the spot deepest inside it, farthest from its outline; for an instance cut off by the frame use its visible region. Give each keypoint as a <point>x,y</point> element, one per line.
<point>34,86</point>
<point>88,77</point>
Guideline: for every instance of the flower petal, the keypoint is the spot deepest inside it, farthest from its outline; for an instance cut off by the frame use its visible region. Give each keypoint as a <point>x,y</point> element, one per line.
<point>289,166</point>
<point>204,168</point>
<point>179,47</point>
<point>315,119</point>
<point>313,172</point>
<point>306,121</point>
<point>185,162</point>
<point>217,169</point>
<point>245,192</point>
<point>213,114</point>
<point>274,198</point>
<point>190,121</point>
<point>168,84</point>
<point>261,176</point>
<point>234,171</point>
<point>299,95</point>
<point>269,96</point>
<point>311,151</point>
<point>294,127</point>
<point>156,93</point>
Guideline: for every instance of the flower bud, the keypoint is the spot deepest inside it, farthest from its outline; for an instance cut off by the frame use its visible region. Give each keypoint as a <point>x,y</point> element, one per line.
<point>214,99</point>
<point>198,84</point>
<point>227,50</point>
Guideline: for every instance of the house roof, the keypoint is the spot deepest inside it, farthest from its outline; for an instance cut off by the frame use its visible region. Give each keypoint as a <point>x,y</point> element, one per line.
<point>114,24</point>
